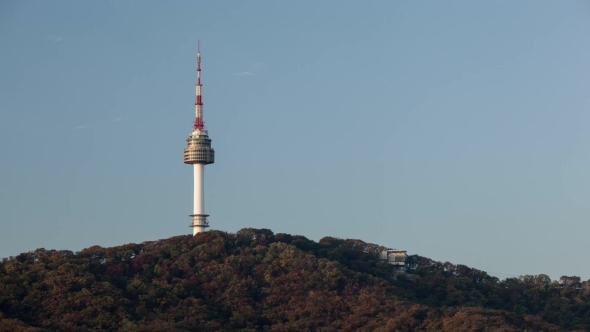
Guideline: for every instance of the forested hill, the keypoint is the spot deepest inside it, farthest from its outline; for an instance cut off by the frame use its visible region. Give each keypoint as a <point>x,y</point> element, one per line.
<point>259,281</point>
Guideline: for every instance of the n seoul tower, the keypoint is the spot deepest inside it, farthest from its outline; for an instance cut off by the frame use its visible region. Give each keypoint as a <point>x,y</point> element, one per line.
<point>198,152</point>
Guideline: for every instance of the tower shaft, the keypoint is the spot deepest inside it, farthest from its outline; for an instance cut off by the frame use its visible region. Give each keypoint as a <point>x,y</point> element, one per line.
<point>200,222</point>
<point>199,197</point>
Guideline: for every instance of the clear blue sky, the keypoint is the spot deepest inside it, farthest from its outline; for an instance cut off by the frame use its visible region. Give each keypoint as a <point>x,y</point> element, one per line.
<point>457,130</point>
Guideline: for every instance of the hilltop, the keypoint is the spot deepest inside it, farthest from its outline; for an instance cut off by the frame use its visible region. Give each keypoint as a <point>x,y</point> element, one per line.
<point>256,280</point>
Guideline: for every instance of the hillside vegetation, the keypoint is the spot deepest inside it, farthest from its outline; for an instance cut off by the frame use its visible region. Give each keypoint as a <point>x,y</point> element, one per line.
<point>255,280</point>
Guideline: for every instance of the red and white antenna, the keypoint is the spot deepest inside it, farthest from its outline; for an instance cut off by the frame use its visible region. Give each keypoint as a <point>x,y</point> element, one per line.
<point>199,123</point>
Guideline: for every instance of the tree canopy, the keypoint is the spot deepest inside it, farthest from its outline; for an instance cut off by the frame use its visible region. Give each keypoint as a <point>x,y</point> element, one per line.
<point>255,280</point>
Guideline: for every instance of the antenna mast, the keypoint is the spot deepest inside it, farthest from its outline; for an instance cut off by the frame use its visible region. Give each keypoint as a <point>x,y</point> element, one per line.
<point>199,124</point>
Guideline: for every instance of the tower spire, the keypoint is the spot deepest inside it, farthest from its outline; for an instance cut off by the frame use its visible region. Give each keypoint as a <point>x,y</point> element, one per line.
<point>199,124</point>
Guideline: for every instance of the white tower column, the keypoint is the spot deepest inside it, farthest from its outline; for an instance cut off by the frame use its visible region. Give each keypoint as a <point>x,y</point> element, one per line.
<point>199,196</point>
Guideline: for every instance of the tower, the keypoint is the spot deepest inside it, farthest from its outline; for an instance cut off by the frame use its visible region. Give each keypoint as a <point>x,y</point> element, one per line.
<point>198,152</point>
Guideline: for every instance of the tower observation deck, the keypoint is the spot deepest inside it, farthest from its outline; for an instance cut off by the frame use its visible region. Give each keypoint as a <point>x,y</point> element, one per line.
<point>198,152</point>
<point>198,149</point>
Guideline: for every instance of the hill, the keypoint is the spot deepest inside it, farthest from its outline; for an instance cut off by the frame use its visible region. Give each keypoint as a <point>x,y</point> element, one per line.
<point>255,280</point>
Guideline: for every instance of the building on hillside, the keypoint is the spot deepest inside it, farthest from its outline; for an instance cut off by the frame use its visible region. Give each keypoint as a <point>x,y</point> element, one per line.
<point>395,257</point>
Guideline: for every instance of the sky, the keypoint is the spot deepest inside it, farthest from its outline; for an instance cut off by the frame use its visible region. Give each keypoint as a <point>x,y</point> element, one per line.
<point>456,130</point>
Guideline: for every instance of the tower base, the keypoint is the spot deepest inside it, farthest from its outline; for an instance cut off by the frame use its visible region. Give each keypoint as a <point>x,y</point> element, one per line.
<point>199,223</point>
